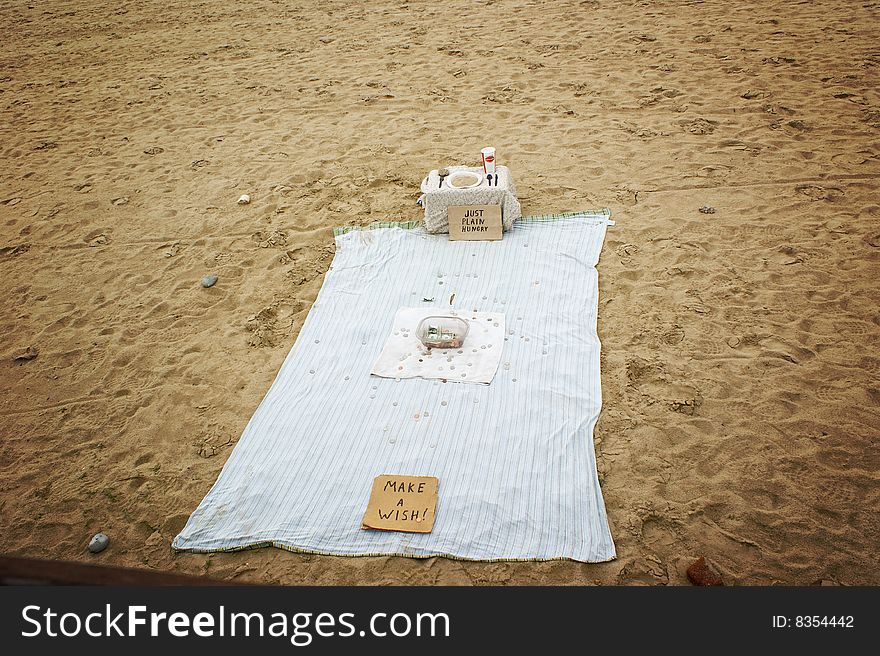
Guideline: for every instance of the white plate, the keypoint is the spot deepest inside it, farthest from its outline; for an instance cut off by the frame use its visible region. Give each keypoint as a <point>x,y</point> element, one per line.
<point>478,179</point>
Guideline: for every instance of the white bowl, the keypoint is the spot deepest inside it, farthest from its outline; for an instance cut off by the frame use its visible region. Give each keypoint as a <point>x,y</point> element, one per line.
<point>476,179</point>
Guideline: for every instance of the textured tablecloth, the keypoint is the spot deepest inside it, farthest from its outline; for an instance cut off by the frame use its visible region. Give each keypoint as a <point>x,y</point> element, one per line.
<point>436,199</point>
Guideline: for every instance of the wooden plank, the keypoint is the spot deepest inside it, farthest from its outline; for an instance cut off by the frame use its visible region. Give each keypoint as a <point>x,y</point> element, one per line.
<point>33,571</point>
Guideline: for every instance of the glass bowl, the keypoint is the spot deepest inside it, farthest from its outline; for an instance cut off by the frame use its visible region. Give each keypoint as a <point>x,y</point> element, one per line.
<point>442,331</point>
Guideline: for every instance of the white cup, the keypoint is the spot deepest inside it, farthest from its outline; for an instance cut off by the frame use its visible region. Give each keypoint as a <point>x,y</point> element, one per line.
<point>488,160</point>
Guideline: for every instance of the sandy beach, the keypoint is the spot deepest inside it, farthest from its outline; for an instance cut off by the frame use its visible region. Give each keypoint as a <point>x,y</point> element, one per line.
<point>737,144</point>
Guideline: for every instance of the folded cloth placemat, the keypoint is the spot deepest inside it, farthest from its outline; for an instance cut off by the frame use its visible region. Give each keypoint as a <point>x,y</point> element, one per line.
<point>515,458</point>
<point>404,356</point>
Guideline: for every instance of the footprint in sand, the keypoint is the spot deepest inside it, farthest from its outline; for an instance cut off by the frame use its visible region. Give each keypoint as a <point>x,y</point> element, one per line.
<point>639,131</point>
<point>122,200</point>
<point>854,328</point>
<point>172,249</point>
<point>872,118</point>
<point>714,171</point>
<point>738,144</point>
<point>14,250</point>
<point>84,188</point>
<point>97,238</point>
<point>639,370</point>
<point>506,94</point>
<point>270,239</point>
<point>649,570</point>
<point>778,61</point>
<point>770,108</point>
<point>626,252</point>
<point>625,196</point>
<point>752,94</point>
<point>153,150</point>
<point>851,97</point>
<point>852,159</point>
<point>262,326</point>
<point>800,126</point>
<point>673,336</point>
<point>832,393</point>
<point>818,192</point>
<point>700,126</point>
<point>686,406</point>
<point>788,255</point>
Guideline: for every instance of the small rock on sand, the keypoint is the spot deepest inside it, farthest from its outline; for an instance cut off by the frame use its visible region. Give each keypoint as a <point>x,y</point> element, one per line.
<point>209,281</point>
<point>701,572</point>
<point>98,543</point>
<point>244,199</point>
<point>707,209</point>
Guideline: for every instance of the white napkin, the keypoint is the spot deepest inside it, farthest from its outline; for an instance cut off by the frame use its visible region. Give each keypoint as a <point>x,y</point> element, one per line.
<point>476,361</point>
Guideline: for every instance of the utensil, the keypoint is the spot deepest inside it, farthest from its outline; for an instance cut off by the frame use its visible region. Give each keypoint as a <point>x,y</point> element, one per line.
<point>442,173</point>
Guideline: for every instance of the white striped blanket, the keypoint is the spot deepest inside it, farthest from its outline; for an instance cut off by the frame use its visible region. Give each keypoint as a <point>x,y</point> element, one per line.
<point>515,458</point>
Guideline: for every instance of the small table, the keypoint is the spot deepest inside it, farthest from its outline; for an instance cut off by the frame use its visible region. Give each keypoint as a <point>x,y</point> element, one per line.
<point>437,198</point>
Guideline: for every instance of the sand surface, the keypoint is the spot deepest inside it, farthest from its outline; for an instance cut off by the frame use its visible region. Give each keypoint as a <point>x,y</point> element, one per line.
<point>741,364</point>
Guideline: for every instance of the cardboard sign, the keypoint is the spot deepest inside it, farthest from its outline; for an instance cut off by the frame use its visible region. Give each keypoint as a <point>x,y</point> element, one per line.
<point>472,222</point>
<point>402,503</point>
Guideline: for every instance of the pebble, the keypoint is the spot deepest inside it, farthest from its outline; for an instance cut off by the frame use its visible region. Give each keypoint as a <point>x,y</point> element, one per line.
<point>707,209</point>
<point>98,543</point>
<point>209,281</point>
<point>244,199</point>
